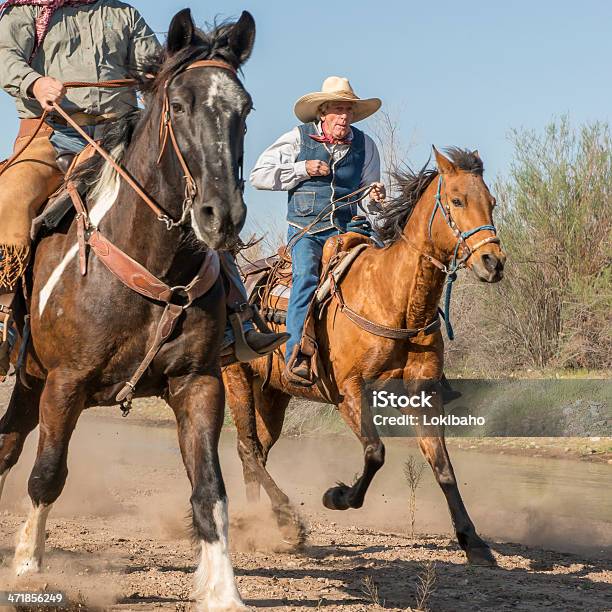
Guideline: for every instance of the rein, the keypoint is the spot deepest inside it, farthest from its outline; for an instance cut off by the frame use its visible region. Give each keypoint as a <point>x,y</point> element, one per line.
<point>364,191</point>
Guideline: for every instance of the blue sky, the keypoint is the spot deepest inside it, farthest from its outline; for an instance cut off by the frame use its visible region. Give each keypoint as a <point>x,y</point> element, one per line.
<point>450,73</point>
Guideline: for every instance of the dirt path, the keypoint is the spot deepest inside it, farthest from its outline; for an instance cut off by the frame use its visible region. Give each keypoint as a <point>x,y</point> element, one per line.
<point>117,539</point>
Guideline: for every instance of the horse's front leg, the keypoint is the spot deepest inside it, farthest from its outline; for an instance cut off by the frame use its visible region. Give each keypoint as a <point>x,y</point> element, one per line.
<point>20,419</point>
<point>343,496</point>
<point>61,404</point>
<point>433,447</point>
<point>198,403</point>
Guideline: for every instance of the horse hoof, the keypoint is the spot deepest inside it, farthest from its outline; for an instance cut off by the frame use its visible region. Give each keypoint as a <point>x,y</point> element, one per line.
<point>336,498</point>
<point>294,533</point>
<point>481,556</point>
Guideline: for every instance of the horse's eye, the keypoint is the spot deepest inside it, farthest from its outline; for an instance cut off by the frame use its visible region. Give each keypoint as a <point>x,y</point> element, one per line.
<point>246,128</point>
<point>457,202</point>
<point>177,108</point>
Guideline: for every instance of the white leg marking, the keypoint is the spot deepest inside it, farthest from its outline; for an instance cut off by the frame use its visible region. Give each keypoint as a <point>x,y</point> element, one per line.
<point>104,195</point>
<point>2,481</point>
<point>215,585</point>
<point>31,541</point>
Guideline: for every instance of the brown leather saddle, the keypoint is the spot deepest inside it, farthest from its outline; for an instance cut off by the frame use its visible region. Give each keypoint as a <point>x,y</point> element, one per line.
<point>268,280</point>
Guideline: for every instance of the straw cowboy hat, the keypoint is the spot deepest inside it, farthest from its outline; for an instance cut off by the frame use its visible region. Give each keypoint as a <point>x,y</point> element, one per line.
<point>334,89</point>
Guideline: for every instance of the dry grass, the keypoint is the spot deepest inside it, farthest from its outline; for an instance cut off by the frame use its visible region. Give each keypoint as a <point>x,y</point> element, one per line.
<point>413,472</point>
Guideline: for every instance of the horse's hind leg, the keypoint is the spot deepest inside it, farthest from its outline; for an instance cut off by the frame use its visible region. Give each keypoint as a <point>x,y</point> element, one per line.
<point>238,380</point>
<point>433,447</point>
<point>259,415</point>
<point>61,404</point>
<point>198,403</point>
<point>20,419</point>
<point>343,496</point>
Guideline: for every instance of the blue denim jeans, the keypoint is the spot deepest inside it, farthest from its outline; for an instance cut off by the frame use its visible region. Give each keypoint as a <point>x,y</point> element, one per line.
<point>305,263</point>
<point>66,139</point>
<point>231,270</point>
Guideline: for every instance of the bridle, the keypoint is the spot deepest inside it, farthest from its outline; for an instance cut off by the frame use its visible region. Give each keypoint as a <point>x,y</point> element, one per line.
<point>456,262</point>
<point>166,132</point>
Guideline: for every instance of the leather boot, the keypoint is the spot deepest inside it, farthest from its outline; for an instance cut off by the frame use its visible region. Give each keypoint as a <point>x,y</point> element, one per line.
<point>301,367</point>
<point>298,370</point>
<point>264,343</point>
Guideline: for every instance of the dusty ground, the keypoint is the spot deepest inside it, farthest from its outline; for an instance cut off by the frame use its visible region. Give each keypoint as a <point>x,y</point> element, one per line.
<point>117,538</point>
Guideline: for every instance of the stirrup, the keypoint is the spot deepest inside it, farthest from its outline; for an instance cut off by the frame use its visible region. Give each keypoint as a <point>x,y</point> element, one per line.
<point>241,348</point>
<point>293,378</point>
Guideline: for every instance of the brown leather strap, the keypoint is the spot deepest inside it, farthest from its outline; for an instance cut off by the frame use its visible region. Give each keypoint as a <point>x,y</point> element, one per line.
<point>384,331</point>
<point>123,173</point>
<point>212,64</point>
<point>82,220</point>
<point>127,270</point>
<point>165,327</point>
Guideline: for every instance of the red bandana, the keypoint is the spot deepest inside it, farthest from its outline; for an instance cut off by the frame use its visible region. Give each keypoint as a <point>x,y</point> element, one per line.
<point>329,139</point>
<point>42,21</point>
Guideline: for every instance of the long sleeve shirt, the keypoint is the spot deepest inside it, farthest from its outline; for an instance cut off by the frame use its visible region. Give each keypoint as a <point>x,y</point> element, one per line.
<point>277,168</point>
<point>102,41</point>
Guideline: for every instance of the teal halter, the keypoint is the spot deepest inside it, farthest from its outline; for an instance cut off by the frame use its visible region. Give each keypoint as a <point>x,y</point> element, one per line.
<point>456,263</point>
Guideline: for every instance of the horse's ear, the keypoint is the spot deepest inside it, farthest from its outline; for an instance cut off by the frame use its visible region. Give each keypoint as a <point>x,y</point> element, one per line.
<point>445,165</point>
<point>181,32</point>
<point>476,155</point>
<point>242,37</point>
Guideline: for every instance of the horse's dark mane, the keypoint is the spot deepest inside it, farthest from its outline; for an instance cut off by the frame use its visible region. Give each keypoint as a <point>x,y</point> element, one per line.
<point>213,44</point>
<point>411,185</point>
<point>117,133</point>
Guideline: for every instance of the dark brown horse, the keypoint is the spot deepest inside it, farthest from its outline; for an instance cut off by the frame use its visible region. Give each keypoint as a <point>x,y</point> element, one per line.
<point>398,286</point>
<point>90,333</point>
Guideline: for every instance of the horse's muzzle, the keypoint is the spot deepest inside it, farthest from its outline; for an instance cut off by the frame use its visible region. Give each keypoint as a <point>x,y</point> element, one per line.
<point>489,267</point>
<point>218,224</point>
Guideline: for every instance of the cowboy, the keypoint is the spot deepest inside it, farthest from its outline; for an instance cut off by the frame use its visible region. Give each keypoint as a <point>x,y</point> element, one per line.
<point>319,162</point>
<point>44,43</point>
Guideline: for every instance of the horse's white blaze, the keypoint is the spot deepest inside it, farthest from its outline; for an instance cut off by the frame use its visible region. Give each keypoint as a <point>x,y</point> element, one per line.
<point>104,194</point>
<point>2,481</point>
<point>219,82</point>
<point>215,585</point>
<point>31,541</point>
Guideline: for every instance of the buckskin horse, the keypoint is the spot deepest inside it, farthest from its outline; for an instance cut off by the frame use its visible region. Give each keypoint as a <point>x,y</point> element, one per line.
<point>382,323</point>
<point>88,331</point>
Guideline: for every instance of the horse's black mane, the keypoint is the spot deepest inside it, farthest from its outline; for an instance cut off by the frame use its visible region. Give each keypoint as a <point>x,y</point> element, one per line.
<point>411,185</point>
<point>212,44</point>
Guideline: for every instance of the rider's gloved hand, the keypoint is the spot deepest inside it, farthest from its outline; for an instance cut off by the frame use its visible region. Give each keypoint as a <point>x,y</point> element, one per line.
<point>360,225</point>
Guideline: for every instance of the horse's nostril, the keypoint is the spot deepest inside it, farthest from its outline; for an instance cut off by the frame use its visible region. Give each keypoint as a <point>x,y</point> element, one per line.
<point>208,211</point>
<point>490,262</point>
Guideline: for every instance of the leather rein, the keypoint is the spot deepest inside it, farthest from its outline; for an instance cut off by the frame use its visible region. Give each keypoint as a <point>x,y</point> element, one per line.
<point>131,273</point>
<point>398,333</point>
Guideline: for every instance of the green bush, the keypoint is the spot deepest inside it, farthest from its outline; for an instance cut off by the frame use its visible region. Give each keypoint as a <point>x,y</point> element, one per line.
<point>554,217</point>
